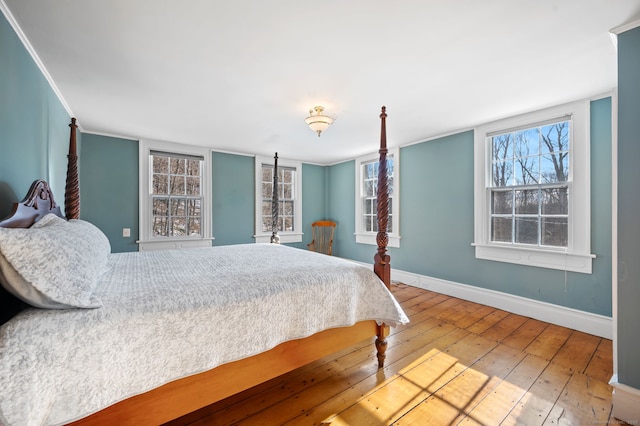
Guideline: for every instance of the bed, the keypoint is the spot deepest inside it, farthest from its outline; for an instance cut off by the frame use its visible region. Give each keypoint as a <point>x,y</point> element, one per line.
<point>128,338</point>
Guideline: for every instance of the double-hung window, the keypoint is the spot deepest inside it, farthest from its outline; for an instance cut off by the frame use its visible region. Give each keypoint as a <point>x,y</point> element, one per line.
<point>366,198</point>
<point>289,220</point>
<point>532,189</point>
<point>174,196</point>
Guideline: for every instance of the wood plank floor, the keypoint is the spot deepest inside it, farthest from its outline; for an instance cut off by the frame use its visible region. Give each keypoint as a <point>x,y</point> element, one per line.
<point>456,362</point>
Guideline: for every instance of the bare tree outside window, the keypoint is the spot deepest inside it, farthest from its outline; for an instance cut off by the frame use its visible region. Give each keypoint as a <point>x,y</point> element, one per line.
<point>176,196</point>
<point>530,185</point>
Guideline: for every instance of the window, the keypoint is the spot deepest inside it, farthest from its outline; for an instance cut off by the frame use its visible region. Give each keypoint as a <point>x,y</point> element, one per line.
<point>366,200</point>
<point>174,200</point>
<point>532,200</point>
<point>289,200</point>
<point>176,196</point>
<point>529,185</point>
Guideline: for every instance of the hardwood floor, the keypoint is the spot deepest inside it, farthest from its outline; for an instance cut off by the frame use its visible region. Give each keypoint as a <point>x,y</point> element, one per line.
<point>456,362</point>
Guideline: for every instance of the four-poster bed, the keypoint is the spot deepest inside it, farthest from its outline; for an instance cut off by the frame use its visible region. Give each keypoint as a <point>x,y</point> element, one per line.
<point>170,391</point>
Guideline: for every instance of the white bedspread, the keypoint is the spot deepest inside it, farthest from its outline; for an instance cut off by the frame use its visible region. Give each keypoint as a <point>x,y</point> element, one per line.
<point>170,314</point>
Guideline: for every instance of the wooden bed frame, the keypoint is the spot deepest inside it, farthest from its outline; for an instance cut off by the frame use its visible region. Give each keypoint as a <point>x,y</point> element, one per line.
<point>186,395</point>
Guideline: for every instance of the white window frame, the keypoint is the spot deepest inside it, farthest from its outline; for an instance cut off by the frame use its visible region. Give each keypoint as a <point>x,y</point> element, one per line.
<point>147,241</point>
<point>285,237</point>
<point>363,237</point>
<point>577,255</point>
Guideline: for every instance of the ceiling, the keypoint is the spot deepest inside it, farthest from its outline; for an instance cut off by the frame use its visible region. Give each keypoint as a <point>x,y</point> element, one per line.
<point>241,75</point>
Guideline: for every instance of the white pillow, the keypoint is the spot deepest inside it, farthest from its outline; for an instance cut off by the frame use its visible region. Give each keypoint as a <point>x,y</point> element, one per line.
<point>54,264</point>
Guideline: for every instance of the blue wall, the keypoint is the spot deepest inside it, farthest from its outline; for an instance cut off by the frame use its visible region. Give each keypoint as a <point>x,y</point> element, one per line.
<point>628,321</point>
<point>436,222</point>
<point>34,132</point>
<point>109,188</point>
<point>233,199</point>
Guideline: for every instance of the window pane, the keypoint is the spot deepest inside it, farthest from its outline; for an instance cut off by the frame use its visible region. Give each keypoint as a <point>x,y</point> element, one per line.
<point>266,190</point>
<point>555,201</point>
<point>526,201</point>
<point>287,191</point>
<point>178,207</point>
<point>526,230</point>
<point>267,174</point>
<point>194,226</point>
<point>266,223</point>
<point>502,173</point>
<point>193,168</point>
<point>177,185</point>
<point>160,164</point>
<point>501,202</point>
<point>160,184</point>
<point>370,188</point>
<point>160,226</point>
<point>555,167</point>
<point>527,143</point>
<point>193,186</point>
<point>368,224</point>
<point>288,208</point>
<point>501,229</point>
<point>367,208</point>
<point>266,208</point>
<point>502,146</point>
<point>527,171</point>
<point>177,166</point>
<point>555,137</point>
<point>178,226</point>
<point>555,231</point>
<point>193,207</point>
<point>370,171</point>
<point>288,224</point>
<point>160,206</point>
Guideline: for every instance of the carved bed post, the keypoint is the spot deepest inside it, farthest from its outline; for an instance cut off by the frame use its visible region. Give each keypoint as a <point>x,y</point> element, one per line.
<point>275,238</point>
<point>382,265</point>
<point>72,187</point>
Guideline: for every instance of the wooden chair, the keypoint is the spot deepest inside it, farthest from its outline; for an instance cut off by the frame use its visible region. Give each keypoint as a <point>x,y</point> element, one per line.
<point>322,234</point>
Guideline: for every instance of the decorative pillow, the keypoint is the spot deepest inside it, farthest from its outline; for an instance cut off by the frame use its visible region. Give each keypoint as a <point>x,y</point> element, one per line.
<point>54,264</point>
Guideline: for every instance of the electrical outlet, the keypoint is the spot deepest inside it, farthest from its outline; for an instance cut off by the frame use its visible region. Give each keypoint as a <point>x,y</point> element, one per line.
<point>126,232</point>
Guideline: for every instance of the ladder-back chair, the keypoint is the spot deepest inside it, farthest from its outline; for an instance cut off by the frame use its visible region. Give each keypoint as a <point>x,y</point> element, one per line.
<point>322,234</point>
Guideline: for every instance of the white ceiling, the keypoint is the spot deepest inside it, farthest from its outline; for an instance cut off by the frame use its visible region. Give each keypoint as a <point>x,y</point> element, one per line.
<point>241,75</point>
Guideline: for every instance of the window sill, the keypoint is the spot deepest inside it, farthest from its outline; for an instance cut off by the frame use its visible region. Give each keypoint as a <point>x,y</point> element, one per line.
<point>174,243</point>
<point>394,240</point>
<point>284,238</point>
<point>562,260</point>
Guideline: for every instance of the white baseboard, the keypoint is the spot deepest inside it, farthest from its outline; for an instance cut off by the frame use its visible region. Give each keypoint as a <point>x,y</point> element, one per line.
<point>598,325</point>
<point>626,402</point>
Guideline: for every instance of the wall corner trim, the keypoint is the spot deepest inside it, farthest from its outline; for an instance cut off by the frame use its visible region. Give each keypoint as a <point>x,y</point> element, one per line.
<point>625,27</point>
<point>587,322</point>
<point>626,402</point>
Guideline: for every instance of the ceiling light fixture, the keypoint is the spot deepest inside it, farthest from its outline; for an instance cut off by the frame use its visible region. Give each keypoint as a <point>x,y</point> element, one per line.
<point>318,122</point>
